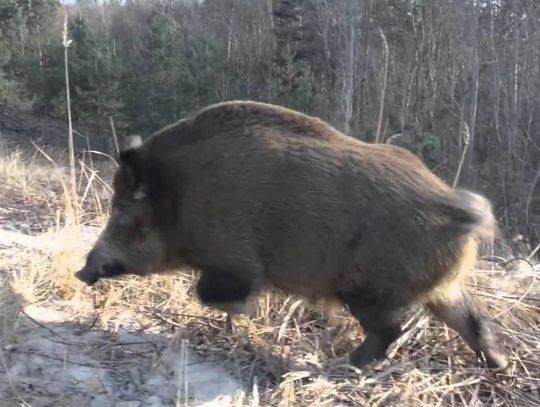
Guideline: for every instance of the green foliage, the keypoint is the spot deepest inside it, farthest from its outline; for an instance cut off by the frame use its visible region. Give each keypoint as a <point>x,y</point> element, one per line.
<point>145,64</point>
<point>172,76</point>
<point>149,62</point>
<point>35,55</point>
<point>10,90</point>
<point>94,72</point>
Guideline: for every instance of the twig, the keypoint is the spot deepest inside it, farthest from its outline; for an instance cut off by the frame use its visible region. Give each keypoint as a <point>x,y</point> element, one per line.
<point>10,379</point>
<point>466,139</point>
<point>506,263</point>
<point>48,157</point>
<point>519,300</point>
<point>530,256</point>
<point>97,177</point>
<point>181,314</point>
<point>103,154</point>
<point>114,135</point>
<point>41,325</point>
<point>283,326</point>
<point>173,323</point>
<point>494,259</point>
<point>61,360</point>
<point>129,344</point>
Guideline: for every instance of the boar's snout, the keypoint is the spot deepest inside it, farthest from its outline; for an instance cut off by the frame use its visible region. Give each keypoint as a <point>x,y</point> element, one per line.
<point>87,275</point>
<point>95,269</point>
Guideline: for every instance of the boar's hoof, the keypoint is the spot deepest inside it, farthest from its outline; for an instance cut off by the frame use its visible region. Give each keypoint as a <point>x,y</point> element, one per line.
<point>495,361</point>
<point>87,277</point>
<point>375,346</point>
<point>339,362</point>
<point>223,291</point>
<point>359,359</point>
<point>229,325</point>
<point>231,308</point>
<point>369,351</point>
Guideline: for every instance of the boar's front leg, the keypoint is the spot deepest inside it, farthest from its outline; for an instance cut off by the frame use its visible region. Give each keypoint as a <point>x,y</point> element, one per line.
<point>225,292</point>
<point>381,324</point>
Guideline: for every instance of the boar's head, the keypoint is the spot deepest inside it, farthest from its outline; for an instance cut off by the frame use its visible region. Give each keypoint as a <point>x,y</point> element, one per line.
<point>130,242</point>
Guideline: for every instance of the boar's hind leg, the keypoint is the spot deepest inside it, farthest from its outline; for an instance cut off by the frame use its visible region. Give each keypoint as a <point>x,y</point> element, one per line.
<point>223,291</point>
<point>462,315</point>
<point>381,324</point>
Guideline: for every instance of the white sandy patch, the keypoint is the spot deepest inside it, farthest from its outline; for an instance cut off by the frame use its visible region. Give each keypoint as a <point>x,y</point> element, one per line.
<point>98,368</point>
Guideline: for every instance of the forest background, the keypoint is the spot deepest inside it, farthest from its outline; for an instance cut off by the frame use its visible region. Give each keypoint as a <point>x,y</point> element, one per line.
<point>439,74</point>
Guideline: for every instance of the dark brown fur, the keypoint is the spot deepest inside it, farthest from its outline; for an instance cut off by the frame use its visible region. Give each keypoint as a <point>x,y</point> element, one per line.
<point>256,195</point>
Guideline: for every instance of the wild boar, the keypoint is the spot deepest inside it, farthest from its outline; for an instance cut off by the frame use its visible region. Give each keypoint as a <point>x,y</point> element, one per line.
<point>255,195</point>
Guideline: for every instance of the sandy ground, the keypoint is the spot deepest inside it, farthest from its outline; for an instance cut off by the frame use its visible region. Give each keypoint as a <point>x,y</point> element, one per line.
<point>61,361</point>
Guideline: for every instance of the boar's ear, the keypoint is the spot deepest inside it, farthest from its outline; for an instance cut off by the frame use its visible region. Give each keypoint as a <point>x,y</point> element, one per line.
<point>131,142</point>
<point>130,166</point>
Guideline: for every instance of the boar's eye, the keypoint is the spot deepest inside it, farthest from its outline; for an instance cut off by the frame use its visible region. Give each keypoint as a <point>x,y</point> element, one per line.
<point>133,226</point>
<point>126,221</point>
<point>122,216</point>
<point>133,219</point>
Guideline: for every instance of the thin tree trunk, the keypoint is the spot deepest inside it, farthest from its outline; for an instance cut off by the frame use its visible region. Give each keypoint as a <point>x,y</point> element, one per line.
<point>66,44</point>
<point>365,56</point>
<point>383,87</point>
<point>348,83</point>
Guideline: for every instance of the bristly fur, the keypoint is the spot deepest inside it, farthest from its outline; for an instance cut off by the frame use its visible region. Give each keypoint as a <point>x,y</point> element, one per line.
<point>255,195</point>
<point>473,211</point>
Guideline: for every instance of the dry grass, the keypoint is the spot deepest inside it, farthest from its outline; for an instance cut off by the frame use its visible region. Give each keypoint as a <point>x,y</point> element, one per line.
<point>281,353</point>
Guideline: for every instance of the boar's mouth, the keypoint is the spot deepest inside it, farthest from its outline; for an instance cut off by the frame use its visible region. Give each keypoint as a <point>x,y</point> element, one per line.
<point>90,275</point>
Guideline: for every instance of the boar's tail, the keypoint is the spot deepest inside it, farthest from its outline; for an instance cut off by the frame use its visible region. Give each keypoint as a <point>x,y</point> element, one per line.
<point>471,211</point>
